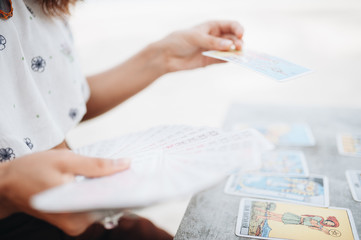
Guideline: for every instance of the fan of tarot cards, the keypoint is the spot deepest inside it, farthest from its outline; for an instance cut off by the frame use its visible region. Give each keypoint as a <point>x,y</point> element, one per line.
<point>167,162</point>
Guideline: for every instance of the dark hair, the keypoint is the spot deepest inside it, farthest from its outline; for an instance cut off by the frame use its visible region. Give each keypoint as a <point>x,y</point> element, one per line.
<point>57,7</point>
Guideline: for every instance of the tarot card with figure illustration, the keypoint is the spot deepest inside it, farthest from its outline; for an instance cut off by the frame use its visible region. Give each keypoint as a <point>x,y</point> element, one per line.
<point>312,190</point>
<point>260,219</point>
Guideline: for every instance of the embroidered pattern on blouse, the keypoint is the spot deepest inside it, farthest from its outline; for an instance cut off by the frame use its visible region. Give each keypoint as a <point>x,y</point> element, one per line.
<point>73,113</point>
<point>6,154</point>
<point>30,10</point>
<point>38,64</point>
<point>67,51</point>
<point>2,42</point>
<point>28,143</point>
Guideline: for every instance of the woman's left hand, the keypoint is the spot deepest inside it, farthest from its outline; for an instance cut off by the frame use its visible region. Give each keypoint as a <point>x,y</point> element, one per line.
<point>183,49</point>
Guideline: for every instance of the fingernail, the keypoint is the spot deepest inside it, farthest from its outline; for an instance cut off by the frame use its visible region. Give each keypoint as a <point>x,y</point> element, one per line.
<point>121,162</point>
<point>226,43</point>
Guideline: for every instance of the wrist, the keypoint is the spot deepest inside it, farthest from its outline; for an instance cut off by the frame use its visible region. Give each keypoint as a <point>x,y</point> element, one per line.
<point>156,53</point>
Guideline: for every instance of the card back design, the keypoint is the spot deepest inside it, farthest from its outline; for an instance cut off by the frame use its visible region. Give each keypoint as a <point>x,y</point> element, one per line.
<point>270,66</point>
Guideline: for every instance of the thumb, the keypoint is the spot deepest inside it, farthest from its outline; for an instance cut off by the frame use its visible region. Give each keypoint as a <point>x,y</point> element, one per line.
<point>93,167</point>
<point>214,43</point>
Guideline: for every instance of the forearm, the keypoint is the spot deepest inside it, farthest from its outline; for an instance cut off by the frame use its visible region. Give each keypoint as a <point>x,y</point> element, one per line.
<point>110,88</point>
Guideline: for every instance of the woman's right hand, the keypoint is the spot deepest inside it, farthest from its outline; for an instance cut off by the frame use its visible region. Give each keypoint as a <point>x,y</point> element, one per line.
<point>31,174</point>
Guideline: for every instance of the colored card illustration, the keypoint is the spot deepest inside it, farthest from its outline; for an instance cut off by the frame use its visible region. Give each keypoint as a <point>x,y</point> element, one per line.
<point>284,134</point>
<point>311,190</point>
<point>270,66</point>
<point>285,163</point>
<point>349,144</point>
<point>354,181</point>
<point>259,219</point>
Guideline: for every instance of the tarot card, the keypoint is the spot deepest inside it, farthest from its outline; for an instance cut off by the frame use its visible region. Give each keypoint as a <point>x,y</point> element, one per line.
<point>349,144</point>
<point>354,181</point>
<point>259,219</point>
<point>284,134</point>
<point>270,66</point>
<point>285,163</point>
<point>311,190</point>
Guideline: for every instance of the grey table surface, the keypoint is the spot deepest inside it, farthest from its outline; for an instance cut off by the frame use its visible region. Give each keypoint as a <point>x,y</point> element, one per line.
<point>212,214</point>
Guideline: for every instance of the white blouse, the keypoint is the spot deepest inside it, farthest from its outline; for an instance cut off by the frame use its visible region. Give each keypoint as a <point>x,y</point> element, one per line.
<point>42,90</point>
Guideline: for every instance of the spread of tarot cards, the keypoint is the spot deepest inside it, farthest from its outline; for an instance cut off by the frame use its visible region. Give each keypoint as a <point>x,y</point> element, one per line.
<point>167,162</point>
<point>270,66</point>
<point>265,219</point>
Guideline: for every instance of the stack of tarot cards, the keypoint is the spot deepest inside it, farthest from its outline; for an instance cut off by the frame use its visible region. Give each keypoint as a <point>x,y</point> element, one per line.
<point>167,162</point>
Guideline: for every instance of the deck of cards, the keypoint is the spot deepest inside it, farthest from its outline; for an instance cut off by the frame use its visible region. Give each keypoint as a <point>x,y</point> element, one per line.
<point>270,66</point>
<point>167,162</point>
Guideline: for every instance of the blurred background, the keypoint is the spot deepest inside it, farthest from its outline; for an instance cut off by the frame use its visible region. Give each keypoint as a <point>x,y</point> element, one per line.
<point>323,35</point>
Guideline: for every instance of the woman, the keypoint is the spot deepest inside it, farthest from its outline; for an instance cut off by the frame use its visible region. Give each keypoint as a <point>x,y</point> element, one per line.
<point>44,95</point>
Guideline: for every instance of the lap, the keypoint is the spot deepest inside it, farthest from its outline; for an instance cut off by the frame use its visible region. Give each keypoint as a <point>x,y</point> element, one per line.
<point>23,226</point>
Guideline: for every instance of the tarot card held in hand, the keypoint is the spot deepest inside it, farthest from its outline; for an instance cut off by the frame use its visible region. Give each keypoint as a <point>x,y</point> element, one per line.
<point>285,163</point>
<point>284,134</point>
<point>270,66</point>
<point>311,190</point>
<point>354,181</point>
<point>277,220</point>
<point>349,144</point>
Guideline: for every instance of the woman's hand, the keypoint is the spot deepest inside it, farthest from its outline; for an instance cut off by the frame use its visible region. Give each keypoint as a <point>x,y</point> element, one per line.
<point>36,172</point>
<point>183,49</point>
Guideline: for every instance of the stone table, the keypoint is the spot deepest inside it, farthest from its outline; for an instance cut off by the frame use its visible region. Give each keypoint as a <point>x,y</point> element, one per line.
<point>212,214</point>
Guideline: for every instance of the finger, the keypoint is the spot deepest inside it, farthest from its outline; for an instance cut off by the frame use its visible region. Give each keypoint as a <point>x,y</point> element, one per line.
<point>238,43</point>
<point>209,42</point>
<point>230,27</point>
<point>93,167</point>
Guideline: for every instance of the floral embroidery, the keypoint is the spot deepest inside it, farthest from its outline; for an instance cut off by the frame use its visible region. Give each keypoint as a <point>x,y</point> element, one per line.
<point>38,64</point>
<point>6,154</point>
<point>73,113</point>
<point>28,143</point>
<point>67,51</point>
<point>2,42</point>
